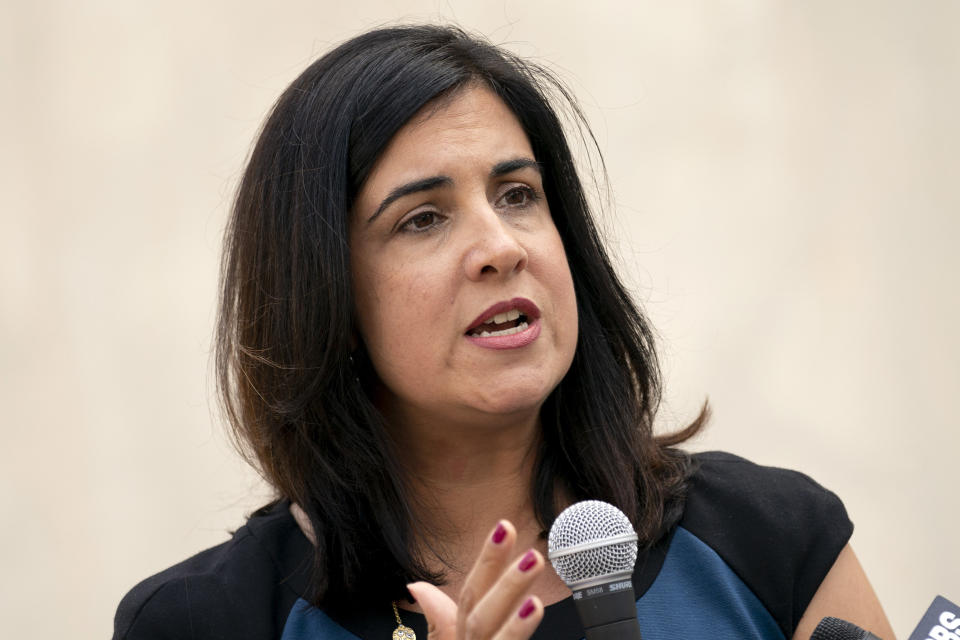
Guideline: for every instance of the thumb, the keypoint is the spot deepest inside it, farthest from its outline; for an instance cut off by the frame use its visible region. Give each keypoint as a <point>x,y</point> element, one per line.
<point>439,609</point>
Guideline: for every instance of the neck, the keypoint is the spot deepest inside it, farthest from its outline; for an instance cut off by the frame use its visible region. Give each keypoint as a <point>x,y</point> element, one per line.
<point>464,478</point>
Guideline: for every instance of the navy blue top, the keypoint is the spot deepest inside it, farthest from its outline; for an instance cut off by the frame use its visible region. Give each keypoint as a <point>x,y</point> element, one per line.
<point>750,551</point>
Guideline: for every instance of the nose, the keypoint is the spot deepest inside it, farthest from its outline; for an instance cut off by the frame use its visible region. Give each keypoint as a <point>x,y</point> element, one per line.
<point>494,249</point>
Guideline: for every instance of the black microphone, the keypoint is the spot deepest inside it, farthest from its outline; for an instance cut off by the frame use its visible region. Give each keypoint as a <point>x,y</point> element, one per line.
<point>837,629</point>
<point>593,548</point>
<point>940,622</point>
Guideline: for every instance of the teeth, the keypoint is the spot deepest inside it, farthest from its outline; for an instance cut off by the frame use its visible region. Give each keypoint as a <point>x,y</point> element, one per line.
<point>505,332</point>
<point>500,318</point>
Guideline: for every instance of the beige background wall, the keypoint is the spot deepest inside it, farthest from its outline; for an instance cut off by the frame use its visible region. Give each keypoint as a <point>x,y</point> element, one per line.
<point>784,178</point>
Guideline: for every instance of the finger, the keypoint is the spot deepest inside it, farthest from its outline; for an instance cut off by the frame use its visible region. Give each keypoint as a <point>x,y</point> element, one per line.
<point>438,608</point>
<point>523,622</point>
<point>494,557</point>
<point>504,598</point>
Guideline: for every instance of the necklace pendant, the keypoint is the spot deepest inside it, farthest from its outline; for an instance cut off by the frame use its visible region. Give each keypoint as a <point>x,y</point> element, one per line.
<point>404,633</point>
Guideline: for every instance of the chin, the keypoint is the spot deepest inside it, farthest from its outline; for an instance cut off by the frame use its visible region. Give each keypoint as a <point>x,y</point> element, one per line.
<point>515,400</point>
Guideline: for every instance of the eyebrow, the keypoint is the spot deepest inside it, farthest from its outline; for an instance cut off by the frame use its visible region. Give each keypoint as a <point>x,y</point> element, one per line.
<point>426,184</point>
<point>509,166</point>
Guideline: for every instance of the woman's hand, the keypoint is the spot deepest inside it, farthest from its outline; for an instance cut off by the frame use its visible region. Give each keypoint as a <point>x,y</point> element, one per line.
<point>495,603</point>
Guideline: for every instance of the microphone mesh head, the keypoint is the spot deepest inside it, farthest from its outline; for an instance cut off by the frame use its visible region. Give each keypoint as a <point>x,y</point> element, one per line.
<point>591,523</point>
<point>837,629</point>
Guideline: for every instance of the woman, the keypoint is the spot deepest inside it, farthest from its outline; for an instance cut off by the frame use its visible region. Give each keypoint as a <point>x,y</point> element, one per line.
<point>425,350</point>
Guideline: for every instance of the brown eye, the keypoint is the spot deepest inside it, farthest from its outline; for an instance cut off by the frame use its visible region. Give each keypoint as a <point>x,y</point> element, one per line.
<point>424,221</point>
<point>517,197</point>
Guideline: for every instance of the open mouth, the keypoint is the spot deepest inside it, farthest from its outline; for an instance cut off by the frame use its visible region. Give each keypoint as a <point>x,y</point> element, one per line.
<point>509,324</point>
<point>501,324</point>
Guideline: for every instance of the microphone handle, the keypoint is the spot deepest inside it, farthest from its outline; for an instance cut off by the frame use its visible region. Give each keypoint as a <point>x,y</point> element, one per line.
<point>619,630</point>
<point>608,611</point>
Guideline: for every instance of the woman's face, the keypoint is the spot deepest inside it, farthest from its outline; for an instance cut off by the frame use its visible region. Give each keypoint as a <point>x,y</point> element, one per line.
<point>451,238</point>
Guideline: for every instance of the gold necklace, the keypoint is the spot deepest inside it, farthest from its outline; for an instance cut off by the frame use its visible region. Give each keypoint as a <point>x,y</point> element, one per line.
<point>401,632</point>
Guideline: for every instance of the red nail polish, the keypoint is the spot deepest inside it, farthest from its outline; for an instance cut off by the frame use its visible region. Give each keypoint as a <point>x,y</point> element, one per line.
<point>528,560</point>
<point>527,608</point>
<point>499,533</point>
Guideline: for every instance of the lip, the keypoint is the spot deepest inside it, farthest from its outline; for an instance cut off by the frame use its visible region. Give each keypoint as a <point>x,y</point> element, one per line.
<point>514,340</point>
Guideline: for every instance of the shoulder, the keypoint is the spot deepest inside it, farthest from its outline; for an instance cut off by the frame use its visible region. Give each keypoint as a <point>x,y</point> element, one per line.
<point>727,485</point>
<point>165,605</point>
<point>777,529</point>
<point>242,588</point>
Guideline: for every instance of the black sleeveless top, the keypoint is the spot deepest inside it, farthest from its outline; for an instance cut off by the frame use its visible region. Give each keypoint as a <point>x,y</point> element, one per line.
<point>750,551</point>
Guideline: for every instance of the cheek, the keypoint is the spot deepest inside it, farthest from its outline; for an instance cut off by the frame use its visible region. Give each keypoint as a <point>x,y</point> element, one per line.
<point>556,273</point>
<point>568,313</point>
<point>396,311</point>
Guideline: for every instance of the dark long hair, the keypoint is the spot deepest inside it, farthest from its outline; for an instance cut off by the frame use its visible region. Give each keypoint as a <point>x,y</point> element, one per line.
<point>292,377</point>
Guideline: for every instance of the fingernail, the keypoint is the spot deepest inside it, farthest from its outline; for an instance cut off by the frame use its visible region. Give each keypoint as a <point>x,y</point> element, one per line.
<point>527,608</point>
<point>499,533</point>
<point>412,598</point>
<point>528,560</point>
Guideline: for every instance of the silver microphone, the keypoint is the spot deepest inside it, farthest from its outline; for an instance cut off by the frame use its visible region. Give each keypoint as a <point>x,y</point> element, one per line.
<point>593,548</point>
